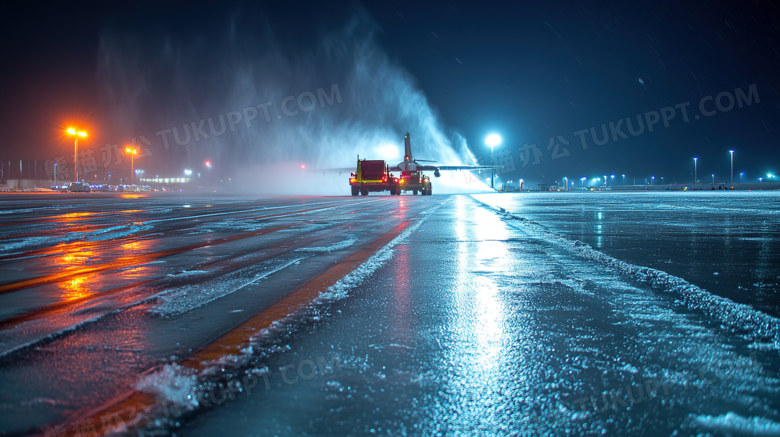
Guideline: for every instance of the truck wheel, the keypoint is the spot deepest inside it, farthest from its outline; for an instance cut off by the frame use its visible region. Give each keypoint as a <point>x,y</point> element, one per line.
<point>355,191</point>
<point>397,191</point>
<point>414,192</point>
<point>429,191</point>
<point>364,192</point>
<point>392,190</point>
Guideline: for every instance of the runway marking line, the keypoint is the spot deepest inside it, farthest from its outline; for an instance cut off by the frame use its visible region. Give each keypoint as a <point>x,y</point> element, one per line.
<point>139,403</point>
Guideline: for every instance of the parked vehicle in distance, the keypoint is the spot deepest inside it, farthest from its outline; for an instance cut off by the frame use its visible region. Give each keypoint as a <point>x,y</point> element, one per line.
<point>78,187</point>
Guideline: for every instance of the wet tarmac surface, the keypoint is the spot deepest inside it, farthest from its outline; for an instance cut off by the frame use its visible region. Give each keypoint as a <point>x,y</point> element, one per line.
<point>472,321</point>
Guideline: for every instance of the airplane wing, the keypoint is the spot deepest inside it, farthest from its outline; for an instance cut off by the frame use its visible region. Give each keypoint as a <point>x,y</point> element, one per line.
<point>455,167</point>
<point>331,170</point>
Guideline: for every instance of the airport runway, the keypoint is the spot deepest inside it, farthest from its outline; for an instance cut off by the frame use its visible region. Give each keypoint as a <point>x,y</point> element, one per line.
<point>351,316</point>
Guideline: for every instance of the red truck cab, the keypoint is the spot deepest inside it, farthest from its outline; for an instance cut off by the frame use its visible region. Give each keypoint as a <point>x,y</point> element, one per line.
<point>372,176</point>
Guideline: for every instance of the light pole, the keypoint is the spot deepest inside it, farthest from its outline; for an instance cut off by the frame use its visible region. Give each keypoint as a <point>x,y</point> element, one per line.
<point>695,176</point>
<point>605,181</point>
<point>582,184</point>
<point>567,182</point>
<point>132,153</point>
<point>624,179</point>
<point>713,179</point>
<point>208,164</point>
<point>613,180</point>
<point>652,180</point>
<point>76,134</point>
<point>492,140</point>
<point>741,174</point>
<point>55,173</point>
<point>732,166</point>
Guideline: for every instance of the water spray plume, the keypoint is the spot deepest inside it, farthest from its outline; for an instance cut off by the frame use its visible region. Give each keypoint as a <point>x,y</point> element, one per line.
<point>165,84</point>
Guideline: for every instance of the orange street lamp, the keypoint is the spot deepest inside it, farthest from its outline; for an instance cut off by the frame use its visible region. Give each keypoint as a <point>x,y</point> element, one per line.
<point>77,134</point>
<point>132,153</point>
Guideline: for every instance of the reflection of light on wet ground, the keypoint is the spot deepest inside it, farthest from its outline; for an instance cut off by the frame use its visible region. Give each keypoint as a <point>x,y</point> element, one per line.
<point>77,287</point>
<point>478,316</point>
<point>599,237</point>
<point>71,215</point>
<point>80,256</point>
<point>402,207</point>
<point>75,257</point>
<point>491,257</point>
<point>136,272</point>
<point>135,245</point>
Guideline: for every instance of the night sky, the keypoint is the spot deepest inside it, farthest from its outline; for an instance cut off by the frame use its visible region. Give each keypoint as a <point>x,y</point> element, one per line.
<point>529,72</point>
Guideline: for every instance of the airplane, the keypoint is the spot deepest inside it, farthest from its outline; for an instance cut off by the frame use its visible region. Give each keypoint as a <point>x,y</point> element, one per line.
<point>411,164</point>
<point>376,176</point>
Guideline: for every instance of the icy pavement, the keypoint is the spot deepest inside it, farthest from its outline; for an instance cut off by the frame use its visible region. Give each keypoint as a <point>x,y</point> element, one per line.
<point>485,324</point>
<point>726,242</point>
<point>472,321</point>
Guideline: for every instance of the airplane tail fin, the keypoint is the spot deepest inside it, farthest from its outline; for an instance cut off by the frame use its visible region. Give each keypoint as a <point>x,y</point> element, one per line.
<point>408,148</point>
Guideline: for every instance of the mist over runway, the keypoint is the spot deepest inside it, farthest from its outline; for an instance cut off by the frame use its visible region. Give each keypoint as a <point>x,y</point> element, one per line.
<point>258,105</point>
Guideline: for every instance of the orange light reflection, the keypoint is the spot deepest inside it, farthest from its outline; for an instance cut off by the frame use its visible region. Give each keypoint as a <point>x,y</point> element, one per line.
<point>77,287</point>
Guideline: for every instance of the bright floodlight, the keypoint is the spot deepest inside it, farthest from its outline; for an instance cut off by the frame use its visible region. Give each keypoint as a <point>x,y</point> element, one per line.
<point>389,151</point>
<point>208,163</point>
<point>187,172</point>
<point>493,140</point>
<point>82,134</point>
<point>71,131</point>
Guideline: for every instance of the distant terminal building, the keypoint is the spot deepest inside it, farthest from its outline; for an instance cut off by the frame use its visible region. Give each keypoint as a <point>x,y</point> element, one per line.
<point>166,180</point>
<point>43,173</point>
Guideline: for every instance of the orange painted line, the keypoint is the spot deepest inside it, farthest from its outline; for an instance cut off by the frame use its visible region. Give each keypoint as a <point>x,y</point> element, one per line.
<point>235,340</point>
<point>130,406</point>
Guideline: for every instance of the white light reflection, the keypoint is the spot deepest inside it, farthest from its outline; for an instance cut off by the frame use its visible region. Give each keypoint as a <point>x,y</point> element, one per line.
<point>599,237</point>
<point>479,317</point>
